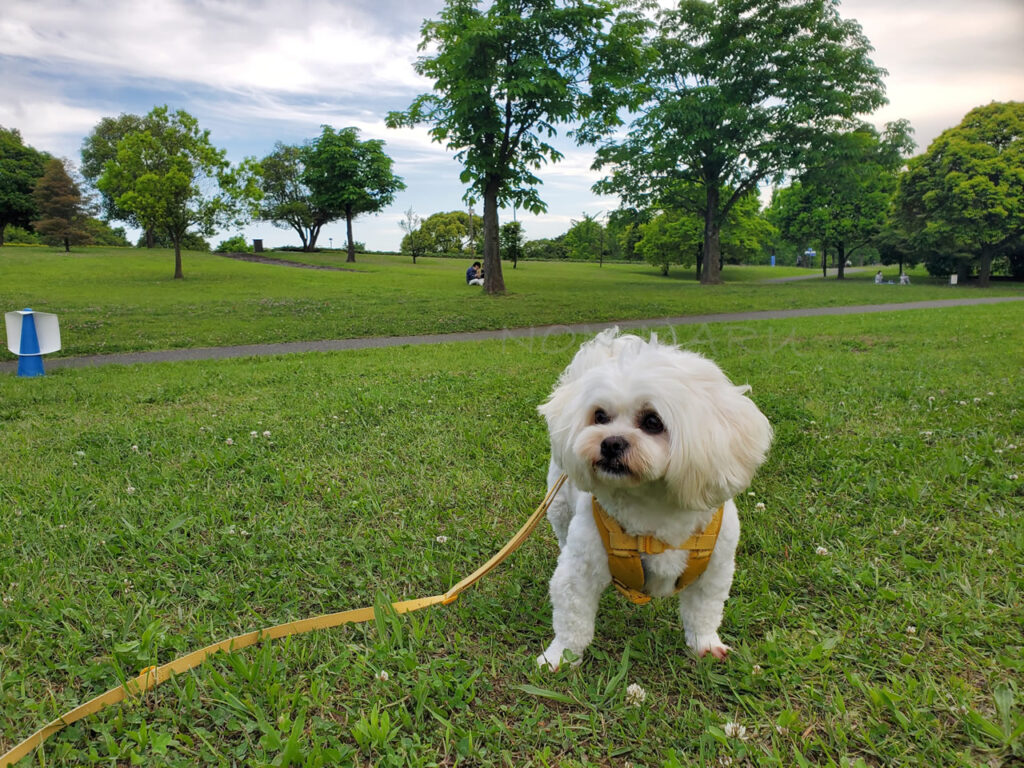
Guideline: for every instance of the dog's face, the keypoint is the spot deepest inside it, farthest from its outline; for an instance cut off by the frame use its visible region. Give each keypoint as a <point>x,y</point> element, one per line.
<point>632,414</point>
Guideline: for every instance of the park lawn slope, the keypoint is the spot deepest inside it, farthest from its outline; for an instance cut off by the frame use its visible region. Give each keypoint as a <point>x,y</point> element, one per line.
<point>146,511</point>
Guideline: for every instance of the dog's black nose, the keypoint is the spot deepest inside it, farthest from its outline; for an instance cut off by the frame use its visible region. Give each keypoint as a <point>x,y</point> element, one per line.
<point>613,447</point>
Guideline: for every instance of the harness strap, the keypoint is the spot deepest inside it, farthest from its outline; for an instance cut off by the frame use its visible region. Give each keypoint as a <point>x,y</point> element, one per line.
<point>625,549</point>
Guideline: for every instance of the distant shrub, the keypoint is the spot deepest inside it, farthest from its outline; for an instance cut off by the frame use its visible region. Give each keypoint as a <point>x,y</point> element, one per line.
<point>236,244</point>
<point>17,236</point>
<point>103,234</point>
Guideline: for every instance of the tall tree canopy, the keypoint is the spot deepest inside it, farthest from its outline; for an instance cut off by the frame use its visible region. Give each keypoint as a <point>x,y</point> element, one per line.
<point>287,201</point>
<point>964,197</point>
<point>171,178</point>
<point>63,212</point>
<point>348,177</point>
<point>100,147</point>
<point>843,196</point>
<point>505,77</point>
<point>20,167</point>
<point>741,91</point>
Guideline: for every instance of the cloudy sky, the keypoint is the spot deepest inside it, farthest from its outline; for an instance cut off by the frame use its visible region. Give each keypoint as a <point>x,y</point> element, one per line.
<point>255,72</point>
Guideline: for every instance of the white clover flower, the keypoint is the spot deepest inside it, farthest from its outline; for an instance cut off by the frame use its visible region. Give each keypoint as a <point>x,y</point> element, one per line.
<point>735,731</point>
<point>7,600</point>
<point>254,433</point>
<point>635,695</point>
<point>751,493</point>
<point>229,441</point>
<point>79,453</point>
<point>135,449</point>
<point>1013,477</point>
<point>911,630</point>
<point>759,505</point>
<point>383,676</point>
<point>822,551</point>
<point>441,539</point>
<point>990,551</point>
<point>977,399</point>
<point>130,489</point>
<point>266,433</point>
<point>756,669</point>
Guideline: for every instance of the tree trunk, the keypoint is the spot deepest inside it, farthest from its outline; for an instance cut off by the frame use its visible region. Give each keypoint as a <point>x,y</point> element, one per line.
<point>178,274</point>
<point>841,274</point>
<point>67,245</point>
<point>151,239</point>
<point>493,280</point>
<point>984,267</point>
<point>824,262</point>
<point>348,227</point>
<point>711,273</point>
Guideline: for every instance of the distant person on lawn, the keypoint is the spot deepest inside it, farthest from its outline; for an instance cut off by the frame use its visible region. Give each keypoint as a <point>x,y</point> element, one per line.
<point>878,277</point>
<point>475,274</point>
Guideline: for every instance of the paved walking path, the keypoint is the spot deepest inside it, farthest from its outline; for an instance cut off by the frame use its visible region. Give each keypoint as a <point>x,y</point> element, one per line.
<point>538,332</point>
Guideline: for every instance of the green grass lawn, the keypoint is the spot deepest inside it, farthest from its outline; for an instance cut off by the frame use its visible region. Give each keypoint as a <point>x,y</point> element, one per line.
<point>146,511</point>
<point>118,300</point>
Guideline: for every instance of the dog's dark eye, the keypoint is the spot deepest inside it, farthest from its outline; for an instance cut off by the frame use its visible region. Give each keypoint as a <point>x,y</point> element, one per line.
<point>651,424</point>
<point>600,417</point>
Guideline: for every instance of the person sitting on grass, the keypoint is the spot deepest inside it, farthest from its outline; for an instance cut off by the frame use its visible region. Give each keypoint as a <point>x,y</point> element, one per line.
<point>475,274</point>
<point>878,277</point>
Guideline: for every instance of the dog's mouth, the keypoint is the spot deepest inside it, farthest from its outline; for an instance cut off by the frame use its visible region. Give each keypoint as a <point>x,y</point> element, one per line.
<point>612,466</point>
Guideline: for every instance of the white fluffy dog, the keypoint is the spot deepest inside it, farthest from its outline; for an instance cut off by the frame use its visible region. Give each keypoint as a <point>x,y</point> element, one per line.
<point>661,439</point>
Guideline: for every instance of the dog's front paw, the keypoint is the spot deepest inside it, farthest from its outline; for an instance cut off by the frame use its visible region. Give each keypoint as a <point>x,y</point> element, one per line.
<point>705,644</point>
<point>552,658</point>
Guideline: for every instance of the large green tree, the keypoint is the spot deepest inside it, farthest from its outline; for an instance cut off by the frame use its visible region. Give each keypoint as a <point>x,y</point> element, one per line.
<point>964,197</point>
<point>171,178</point>
<point>505,77</point>
<point>348,176</point>
<point>741,92</point>
<point>843,196</point>
<point>100,147</point>
<point>20,168</point>
<point>63,211</point>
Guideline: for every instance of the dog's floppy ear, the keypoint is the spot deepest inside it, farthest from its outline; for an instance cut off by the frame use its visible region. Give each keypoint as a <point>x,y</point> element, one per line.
<point>720,441</point>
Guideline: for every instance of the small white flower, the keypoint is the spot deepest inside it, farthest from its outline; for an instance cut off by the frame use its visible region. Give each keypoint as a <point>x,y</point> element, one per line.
<point>635,695</point>
<point>441,539</point>
<point>821,551</point>
<point>961,402</point>
<point>8,600</point>
<point>1013,477</point>
<point>129,489</point>
<point>229,441</point>
<point>911,630</point>
<point>242,532</point>
<point>254,433</point>
<point>135,449</point>
<point>759,505</point>
<point>999,450</point>
<point>266,433</point>
<point>62,526</point>
<point>736,731</point>
<point>1011,447</point>
<point>926,433</point>
<point>990,551</point>
<point>751,493</point>
<point>977,399</point>
<point>383,676</point>
<point>781,730</point>
<point>79,453</point>
<point>756,669</point>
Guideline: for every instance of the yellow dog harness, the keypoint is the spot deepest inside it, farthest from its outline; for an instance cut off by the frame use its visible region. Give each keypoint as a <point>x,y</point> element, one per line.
<point>625,550</point>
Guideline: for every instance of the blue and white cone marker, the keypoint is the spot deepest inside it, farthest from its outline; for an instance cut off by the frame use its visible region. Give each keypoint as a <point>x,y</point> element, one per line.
<point>30,335</point>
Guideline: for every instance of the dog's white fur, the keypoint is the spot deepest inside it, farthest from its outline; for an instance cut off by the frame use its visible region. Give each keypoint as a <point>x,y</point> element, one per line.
<point>666,483</point>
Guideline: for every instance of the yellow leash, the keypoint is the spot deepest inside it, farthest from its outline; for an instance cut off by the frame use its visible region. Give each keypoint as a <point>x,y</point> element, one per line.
<point>153,676</point>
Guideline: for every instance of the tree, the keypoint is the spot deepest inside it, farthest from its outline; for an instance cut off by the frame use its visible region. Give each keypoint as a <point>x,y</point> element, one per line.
<point>585,239</point>
<point>349,176</point>
<point>505,77</point>
<point>171,178</point>
<point>964,197</point>
<point>741,91</point>
<point>843,196</point>
<point>445,233</point>
<point>63,213</point>
<point>414,242</point>
<point>671,237</point>
<point>511,242</point>
<point>287,201</point>
<point>100,147</point>
<point>20,167</point>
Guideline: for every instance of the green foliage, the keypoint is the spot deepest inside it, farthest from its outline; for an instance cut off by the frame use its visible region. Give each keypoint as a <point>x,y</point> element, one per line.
<point>504,78</point>
<point>287,201</point>
<point>962,201</point>
<point>172,179</point>
<point>100,147</point>
<point>585,240</point>
<point>13,235</point>
<point>103,234</point>
<point>546,249</point>
<point>447,233</point>
<point>189,242</point>
<point>236,244</point>
<point>62,212</point>
<point>20,167</point>
<point>740,93</point>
